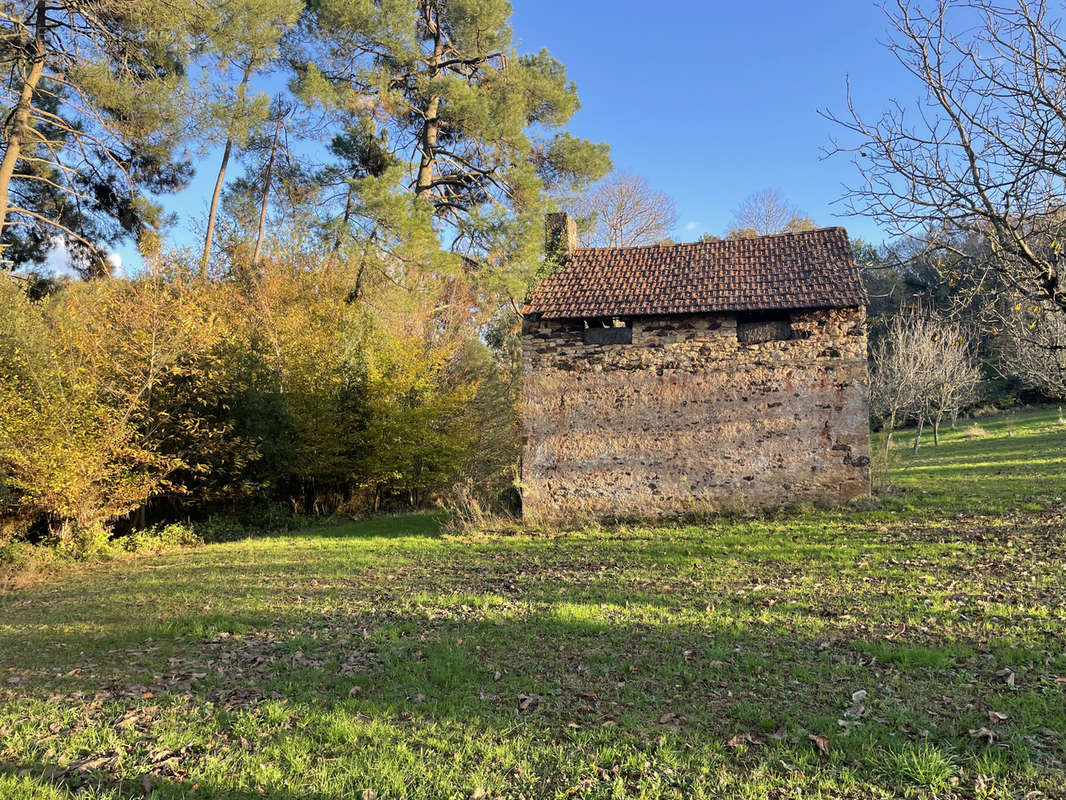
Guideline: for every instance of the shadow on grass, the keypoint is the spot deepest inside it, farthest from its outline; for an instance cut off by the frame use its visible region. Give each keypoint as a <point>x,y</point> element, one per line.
<point>349,685</point>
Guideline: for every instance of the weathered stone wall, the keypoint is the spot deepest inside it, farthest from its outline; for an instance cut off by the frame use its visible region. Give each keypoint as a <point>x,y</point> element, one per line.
<point>688,418</point>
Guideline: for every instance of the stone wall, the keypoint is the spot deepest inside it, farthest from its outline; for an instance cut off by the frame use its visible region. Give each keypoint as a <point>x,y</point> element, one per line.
<point>687,418</point>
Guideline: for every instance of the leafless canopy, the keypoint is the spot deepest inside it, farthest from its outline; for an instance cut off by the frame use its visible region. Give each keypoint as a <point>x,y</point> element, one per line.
<point>1032,346</point>
<point>765,213</point>
<point>923,368</point>
<point>980,154</point>
<point>625,211</point>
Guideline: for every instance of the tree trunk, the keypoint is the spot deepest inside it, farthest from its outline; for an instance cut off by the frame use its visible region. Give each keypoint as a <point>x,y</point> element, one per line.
<point>266,191</point>
<point>22,118</point>
<point>918,433</point>
<point>936,429</point>
<point>954,417</point>
<point>346,218</point>
<point>431,127</point>
<point>428,160</point>
<point>205,260</point>
<point>206,257</point>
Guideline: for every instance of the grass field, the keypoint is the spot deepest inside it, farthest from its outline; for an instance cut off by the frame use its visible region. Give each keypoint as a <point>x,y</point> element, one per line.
<point>917,648</point>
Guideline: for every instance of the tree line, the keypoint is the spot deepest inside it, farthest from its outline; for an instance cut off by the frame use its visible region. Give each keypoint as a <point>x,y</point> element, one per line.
<point>343,334</point>
<point>343,338</point>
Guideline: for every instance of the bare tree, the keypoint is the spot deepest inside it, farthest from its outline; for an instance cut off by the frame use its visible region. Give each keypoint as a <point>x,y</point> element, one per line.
<point>1032,346</point>
<point>765,213</point>
<point>624,211</point>
<point>979,156</point>
<point>923,369</point>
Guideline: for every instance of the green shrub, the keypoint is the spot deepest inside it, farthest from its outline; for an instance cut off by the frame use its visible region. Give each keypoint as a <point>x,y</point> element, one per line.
<point>175,534</point>
<point>220,528</point>
<point>16,556</point>
<point>80,542</point>
<point>268,517</point>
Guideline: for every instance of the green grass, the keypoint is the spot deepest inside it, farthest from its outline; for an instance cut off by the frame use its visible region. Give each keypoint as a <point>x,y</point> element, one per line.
<point>386,660</point>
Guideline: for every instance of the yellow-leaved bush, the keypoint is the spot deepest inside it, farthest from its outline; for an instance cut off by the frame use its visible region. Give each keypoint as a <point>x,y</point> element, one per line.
<point>155,397</point>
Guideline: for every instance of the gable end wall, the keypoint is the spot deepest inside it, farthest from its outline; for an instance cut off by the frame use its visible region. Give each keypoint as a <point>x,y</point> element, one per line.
<point>687,418</point>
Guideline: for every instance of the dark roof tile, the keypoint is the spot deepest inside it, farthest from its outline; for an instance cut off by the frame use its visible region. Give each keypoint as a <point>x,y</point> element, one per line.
<point>812,269</point>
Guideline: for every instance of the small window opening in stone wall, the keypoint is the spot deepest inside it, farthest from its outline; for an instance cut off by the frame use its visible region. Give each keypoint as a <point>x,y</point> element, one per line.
<point>608,330</point>
<point>758,328</point>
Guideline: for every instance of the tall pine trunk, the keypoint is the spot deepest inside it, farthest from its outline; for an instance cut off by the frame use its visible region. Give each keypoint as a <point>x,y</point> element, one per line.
<point>21,119</point>
<point>266,191</point>
<point>431,126</point>
<point>206,257</point>
<point>345,220</point>
<point>213,212</point>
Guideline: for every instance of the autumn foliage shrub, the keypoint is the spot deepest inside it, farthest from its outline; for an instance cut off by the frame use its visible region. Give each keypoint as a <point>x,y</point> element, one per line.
<point>131,402</point>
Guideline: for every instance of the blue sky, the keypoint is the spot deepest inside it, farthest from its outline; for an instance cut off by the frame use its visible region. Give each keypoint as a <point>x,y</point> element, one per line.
<point>712,101</point>
<point>709,101</point>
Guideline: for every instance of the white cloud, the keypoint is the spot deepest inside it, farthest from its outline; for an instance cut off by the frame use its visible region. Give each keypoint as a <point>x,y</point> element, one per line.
<point>692,226</point>
<point>59,264</point>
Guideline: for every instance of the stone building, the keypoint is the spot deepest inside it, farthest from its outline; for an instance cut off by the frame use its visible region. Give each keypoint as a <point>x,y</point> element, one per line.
<point>704,376</point>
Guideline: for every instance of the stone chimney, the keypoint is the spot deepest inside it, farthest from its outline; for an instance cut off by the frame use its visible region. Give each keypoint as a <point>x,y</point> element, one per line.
<point>560,237</point>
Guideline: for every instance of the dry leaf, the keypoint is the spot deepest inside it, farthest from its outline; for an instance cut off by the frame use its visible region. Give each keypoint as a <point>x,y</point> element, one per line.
<point>479,794</point>
<point>820,741</point>
<point>983,733</point>
<point>528,703</point>
<point>667,718</point>
<point>1008,674</point>
<point>996,716</point>
<point>743,738</point>
<point>858,697</point>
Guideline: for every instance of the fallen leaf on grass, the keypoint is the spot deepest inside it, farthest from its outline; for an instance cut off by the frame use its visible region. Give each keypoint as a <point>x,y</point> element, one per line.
<point>1008,674</point>
<point>743,738</point>
<point>668,719</point>
<point>528,703</point>
<point>820,741</point>
<point>996,716</point>
<point>983,733</point>
<point>856,711</point>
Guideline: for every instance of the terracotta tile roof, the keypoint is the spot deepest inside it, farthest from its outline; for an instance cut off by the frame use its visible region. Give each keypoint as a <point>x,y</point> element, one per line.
<point>813,269</point>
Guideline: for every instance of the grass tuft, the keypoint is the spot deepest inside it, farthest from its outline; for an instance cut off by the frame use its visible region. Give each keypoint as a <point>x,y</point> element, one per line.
<point>920,766</point>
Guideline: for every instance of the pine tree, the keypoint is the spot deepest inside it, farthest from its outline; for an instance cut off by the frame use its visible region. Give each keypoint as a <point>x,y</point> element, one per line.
<point>477,127</point>
<point>242,38</point>
<point>91,122</point>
